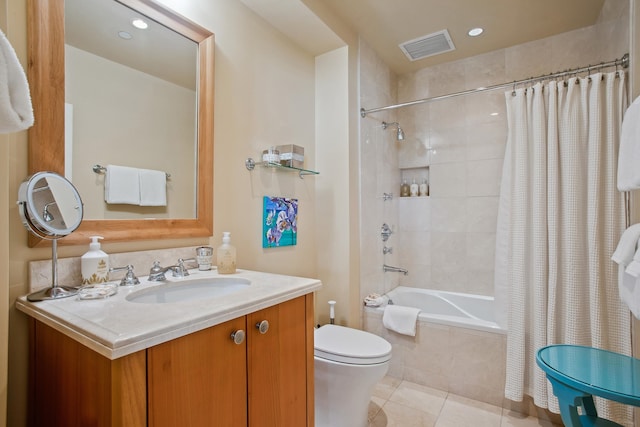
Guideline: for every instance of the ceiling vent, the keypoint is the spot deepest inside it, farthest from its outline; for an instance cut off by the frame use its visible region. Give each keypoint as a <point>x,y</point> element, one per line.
<point>429,45</point>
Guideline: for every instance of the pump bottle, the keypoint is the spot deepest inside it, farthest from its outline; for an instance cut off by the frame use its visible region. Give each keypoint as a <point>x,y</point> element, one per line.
<point>226,255</point>
<point>94,264</point>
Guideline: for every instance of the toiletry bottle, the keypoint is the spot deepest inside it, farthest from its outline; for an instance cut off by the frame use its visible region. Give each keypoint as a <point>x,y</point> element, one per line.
<point>94,264</point>
<point>404,189</point>
<point>226,256</point>
<point>424,188</point>
<point>413,190</point>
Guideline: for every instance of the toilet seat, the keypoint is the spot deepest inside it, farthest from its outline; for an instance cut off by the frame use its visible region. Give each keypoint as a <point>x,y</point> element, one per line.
<point>352,346</point>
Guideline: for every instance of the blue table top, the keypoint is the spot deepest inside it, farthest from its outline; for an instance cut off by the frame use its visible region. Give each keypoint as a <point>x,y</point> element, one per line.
<point>598,372</point>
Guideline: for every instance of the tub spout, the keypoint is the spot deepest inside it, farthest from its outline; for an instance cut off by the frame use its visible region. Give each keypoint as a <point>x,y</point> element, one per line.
<point>390,268</point>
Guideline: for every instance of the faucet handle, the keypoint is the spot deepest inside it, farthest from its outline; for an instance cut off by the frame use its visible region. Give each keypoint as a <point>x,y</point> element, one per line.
<point>181,270</point>
<point>129,278</point>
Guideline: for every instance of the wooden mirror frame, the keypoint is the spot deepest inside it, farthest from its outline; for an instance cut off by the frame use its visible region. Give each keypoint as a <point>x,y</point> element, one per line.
<point>46,75</point>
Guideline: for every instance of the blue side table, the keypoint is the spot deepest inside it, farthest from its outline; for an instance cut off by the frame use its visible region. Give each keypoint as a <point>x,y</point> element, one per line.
<point>578,373</point>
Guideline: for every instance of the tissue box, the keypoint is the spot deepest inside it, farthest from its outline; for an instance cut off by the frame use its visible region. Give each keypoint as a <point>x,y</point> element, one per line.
<point>291,155</point>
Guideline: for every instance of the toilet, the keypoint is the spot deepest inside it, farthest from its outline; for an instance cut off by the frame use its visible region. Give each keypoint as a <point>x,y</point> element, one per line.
<point>348,364</point>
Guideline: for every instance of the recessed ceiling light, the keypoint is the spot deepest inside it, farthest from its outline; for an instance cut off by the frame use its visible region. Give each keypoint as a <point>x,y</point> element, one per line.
<point>140,24</point>
<point>124,35</point>
<point>475,31</point>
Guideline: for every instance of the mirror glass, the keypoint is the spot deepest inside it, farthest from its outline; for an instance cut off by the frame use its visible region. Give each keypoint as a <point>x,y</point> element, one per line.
<point>130,100</point>
<point>118,104</point>
<point>50,205</point>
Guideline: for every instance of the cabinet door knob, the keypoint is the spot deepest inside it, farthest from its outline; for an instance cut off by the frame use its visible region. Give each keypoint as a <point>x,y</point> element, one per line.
<point>238,336</point>
<point>263,326</point>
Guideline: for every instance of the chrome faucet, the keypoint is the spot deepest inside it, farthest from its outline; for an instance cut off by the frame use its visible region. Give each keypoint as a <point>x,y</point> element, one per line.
<point>157,272</point>
<point>389,268</point>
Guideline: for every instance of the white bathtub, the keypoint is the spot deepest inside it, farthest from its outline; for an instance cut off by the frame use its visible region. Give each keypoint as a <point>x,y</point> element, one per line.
<point>448,308</point>
<point>458,347</point>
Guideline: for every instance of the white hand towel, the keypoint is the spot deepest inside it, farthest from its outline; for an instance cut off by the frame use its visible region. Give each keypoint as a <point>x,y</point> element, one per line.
<point>627,245</point>
<point>153,188</point>
<point>401,319</point>
<point>122,185</point>
<point>629,152</point>
<point>16,112</point>
<point>629,290</point>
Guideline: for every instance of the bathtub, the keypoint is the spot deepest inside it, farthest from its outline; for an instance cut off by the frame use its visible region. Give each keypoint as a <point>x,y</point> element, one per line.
<point>448,308</point>
<point>458,346</point>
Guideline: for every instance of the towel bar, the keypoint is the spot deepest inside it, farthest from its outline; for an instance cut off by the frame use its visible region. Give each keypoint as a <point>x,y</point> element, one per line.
<point>101,169</point>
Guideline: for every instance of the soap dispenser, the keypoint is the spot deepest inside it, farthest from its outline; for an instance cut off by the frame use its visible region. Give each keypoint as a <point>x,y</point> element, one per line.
<point>226,255</point>
<point>94,264</point>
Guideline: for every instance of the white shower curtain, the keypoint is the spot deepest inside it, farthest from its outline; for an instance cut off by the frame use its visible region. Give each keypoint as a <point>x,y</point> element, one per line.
<point>559,222</point>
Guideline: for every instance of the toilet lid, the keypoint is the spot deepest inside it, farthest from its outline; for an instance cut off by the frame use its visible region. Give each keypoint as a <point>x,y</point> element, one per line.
<point>347,345</point>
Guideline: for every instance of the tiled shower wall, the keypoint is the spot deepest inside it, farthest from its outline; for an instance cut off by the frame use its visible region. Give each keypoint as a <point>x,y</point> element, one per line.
<point>447,241</point>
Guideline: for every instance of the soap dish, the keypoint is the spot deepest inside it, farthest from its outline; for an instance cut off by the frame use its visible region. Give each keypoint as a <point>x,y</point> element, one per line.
<point>97,291</point>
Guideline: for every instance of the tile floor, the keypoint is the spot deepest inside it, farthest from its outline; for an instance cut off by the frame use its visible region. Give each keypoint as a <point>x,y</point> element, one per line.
<point>398,403</point>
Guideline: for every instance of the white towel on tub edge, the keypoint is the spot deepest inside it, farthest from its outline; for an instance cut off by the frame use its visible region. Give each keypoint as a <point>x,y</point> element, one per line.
<point>401,319</point>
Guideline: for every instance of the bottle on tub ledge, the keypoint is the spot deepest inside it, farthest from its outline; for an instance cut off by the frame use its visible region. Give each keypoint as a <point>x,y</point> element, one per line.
<point>226,255</point>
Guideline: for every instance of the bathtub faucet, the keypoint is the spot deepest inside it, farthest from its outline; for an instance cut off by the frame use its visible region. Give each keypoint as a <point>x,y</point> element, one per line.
<point>387,268</point>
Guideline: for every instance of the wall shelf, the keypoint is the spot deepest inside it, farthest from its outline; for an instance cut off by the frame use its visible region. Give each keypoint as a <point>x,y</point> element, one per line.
<point>250,164</point>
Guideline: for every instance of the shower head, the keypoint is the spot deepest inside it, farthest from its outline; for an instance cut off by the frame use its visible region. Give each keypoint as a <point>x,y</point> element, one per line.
<point>399,132</point>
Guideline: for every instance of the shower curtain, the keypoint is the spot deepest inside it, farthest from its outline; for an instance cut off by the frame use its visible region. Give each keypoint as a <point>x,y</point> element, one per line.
<point>559,221</point>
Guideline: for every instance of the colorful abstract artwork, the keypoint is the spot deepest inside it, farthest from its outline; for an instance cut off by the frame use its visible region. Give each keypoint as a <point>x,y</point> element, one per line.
<point>279,222</point>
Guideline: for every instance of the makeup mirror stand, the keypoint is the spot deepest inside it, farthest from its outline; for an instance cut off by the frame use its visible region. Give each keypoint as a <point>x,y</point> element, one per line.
<point>51,208</point>
<point>55,291</point>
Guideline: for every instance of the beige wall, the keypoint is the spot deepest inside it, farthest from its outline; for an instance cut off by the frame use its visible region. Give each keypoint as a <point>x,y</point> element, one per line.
<point>264,96</point>
<point>332,191</point>
<point>349,311</point>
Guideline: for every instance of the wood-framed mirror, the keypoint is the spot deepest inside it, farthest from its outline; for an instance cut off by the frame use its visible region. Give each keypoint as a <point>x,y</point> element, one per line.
<point>46,74</point>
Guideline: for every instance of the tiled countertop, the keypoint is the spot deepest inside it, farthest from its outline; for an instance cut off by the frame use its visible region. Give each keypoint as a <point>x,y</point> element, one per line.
<point>115,327</point>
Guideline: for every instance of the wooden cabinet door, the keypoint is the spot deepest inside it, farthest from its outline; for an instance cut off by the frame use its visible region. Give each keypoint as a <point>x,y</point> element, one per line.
<point>199,380</point>
<point>72,385</point>
<point>277,366</point>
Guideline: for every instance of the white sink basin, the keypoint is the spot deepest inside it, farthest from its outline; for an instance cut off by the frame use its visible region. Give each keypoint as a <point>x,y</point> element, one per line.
<point>189,290</point>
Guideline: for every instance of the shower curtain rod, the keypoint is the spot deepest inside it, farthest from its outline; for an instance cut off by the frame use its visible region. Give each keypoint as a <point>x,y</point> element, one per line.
<point>624,62</point>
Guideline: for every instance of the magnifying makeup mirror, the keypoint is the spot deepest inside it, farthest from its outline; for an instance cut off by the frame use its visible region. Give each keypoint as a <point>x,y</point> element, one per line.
<point>51,208</point>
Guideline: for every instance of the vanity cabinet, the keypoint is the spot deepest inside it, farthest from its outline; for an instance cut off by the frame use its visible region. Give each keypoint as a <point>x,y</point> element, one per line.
<point>201,379</point>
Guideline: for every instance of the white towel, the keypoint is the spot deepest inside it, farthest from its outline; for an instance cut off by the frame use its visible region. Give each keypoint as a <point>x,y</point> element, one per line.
<point>374,300</point>
<point>401,319</point>
<point>153,188</point>
<point>627,245</point>
<point>629,290</point>
<point>627,256</point>
<point>122,185</point>
<point>634,266</point>
<point>629,152</point>
<point>16,112</point>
